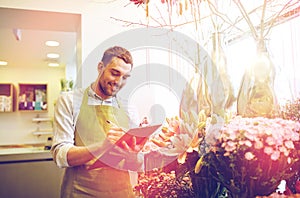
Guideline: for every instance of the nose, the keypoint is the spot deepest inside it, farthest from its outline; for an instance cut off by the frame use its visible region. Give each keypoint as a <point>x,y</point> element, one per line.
<point>118,81</point>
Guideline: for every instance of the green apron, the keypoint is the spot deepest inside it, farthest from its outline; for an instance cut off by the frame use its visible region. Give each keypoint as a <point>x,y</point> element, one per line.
<point>105,181</point>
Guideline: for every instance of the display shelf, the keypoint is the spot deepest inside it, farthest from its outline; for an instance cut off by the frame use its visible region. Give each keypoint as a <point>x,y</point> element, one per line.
<point>43,130</point>
<point>32,97</point>
<point>41,119</point>
<point>7,97</point>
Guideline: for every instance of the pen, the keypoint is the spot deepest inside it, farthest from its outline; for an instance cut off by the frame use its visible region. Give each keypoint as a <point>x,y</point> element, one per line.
<point>115,125</point>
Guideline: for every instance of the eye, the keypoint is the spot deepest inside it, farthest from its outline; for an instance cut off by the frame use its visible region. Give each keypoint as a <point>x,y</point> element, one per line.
<point>115,73</point>
<point>125,77</point>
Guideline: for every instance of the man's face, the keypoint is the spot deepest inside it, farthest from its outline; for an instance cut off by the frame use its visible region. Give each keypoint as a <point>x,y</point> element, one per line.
<point>112,77</point>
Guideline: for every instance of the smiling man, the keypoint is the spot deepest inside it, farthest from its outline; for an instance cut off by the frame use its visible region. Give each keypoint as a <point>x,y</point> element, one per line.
<point>82,133</point>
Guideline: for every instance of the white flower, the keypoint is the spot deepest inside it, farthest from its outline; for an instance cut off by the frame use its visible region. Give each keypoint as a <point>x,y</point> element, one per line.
<point>213,126</point>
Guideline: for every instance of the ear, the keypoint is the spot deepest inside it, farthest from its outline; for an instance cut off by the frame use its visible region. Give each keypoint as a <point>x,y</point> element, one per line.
<point>100,66</point>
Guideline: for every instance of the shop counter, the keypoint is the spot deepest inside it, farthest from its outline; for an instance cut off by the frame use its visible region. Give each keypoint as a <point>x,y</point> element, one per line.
<point>28,172</point>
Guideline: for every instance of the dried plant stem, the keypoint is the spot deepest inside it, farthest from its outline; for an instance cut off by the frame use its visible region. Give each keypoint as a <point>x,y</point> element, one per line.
<point>262,20</point>
<point>224,17</point>
<point>247,18</point>
<point>277,16</point>
<point>129,23</point>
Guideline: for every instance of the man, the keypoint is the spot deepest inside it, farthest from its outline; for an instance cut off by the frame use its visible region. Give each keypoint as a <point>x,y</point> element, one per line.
<point>83,130</point>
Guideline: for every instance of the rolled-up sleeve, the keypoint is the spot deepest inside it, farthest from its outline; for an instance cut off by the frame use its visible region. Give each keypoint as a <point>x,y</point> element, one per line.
<point>65,116</point>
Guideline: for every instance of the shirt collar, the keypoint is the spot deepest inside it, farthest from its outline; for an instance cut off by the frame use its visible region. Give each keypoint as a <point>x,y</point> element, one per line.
<point>92,94</point>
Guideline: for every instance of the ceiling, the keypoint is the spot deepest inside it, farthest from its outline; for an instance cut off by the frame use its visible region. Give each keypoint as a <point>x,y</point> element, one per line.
<point>35,28</point>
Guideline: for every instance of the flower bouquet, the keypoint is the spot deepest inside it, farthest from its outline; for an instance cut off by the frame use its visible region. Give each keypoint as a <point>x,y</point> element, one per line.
<point>291,111</point>
<point>181,135</point>
<point>169,149</point>
<point>160,184</point>
<point>249,156</point>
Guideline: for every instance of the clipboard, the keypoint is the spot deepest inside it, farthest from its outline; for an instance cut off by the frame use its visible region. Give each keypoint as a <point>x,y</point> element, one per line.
<point>141,133</point>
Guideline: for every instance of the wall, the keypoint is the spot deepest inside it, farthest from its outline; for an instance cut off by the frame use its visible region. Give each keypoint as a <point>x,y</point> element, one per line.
<point>98,26</point>
<point>17,127</point>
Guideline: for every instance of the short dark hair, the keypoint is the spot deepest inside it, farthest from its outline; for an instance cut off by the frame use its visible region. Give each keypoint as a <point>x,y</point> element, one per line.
<point>118,52</point>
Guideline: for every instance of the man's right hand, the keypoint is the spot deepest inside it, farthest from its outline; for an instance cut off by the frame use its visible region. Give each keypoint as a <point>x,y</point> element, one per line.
<point>114,134</point>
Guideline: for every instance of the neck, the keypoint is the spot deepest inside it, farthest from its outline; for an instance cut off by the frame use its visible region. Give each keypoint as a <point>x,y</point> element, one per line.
<point>98,91</point>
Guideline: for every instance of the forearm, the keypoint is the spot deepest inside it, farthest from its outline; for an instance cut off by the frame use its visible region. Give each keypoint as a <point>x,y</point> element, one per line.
<point>79,155</point>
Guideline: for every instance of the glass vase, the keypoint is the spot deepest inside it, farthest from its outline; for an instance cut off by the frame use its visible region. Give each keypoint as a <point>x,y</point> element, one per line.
<point>256,97</point>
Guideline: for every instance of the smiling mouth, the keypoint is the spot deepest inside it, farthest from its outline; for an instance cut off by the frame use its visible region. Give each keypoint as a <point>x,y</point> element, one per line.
<point>114,88</point>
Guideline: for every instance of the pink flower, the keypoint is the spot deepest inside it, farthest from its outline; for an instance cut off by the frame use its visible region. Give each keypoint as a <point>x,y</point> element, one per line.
<point>289,144</point>
<point>173,124</point>
<point>258,145</point>
<point>232,134</point>
<point>275,155</point>
<point>245,142</point>
<point>270,141</point>
<point>268,132</point>
<point>250,136</point>
<point>249,156</point>
<point>284,150</point>
<point>230,146</point>
<point>268,150</point>
<point>294,136</point>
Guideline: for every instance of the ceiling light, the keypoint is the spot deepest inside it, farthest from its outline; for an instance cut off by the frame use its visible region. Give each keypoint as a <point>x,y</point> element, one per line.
<point>3,63</point>
<point>52,43</point>
<point>52,55</point>
<point>53,64</point>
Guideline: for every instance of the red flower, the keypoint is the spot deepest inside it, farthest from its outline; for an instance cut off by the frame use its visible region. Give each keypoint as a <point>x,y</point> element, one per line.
<point>287,191</point>
<point>139,2</point>
<point>297,186</point>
